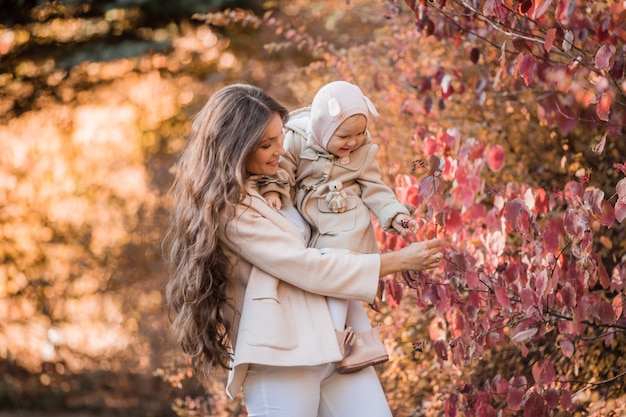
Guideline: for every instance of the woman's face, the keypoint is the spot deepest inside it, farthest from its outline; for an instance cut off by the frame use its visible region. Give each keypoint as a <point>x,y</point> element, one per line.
<point>348,136</point>
<point>264,159</point>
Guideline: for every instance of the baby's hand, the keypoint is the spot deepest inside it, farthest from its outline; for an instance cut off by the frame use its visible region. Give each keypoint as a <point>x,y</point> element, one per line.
<point>404,225</point>
<point>273,200</point>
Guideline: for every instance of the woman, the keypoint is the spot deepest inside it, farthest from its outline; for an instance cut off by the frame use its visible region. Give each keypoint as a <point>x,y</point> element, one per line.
<point>245,291</point>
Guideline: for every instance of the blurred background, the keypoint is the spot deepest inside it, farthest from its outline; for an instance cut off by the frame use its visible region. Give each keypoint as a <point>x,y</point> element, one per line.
<point>95,101</point>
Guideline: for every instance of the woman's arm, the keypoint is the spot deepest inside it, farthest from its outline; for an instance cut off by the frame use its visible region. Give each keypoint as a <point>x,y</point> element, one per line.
<point>263,238</point>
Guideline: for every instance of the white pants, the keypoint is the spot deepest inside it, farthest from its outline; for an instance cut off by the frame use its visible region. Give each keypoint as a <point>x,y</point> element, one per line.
<point>313,391</point>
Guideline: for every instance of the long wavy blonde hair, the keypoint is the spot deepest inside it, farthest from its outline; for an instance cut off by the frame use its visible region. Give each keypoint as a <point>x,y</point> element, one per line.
<point>209,182</point>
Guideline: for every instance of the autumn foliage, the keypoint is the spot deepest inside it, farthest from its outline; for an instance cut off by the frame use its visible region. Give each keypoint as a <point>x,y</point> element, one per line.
<point>503,123</point>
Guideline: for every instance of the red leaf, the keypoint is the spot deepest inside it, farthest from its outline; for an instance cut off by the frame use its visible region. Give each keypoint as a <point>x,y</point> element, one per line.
<point>450,406</point>
<point>552,398</point>
<point>574,223</point>
<point>551,237</point>
<point>441,348</point>
<point>453,221</point>
<point>543,373</point>
<point>429,147</point>
<point>528,298</point>
<point>495,158</point>
<point>566,297</point>
<point>517,215</point>
<point>618,306</point>
<point>534,406</point>
<point>528,68</point>
<point>605,57</point>
<point>541,201</point>
<point>567,402</point>
<point>564,9</point>
<point>398,291</point>
<point>525,5</point>
<point>549,40</point>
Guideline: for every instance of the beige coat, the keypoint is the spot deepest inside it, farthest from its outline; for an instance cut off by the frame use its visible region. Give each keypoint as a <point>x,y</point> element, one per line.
<point>280,315</point>
<point>310,168</point>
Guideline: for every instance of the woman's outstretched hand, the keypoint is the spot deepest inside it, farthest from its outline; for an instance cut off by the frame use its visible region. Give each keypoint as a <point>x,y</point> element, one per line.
<point>417,256</point>
<point>424,255</point>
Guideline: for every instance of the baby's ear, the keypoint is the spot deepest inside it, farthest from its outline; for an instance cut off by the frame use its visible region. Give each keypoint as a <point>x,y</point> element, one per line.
<point>334,108</point>
<point>370,106</point>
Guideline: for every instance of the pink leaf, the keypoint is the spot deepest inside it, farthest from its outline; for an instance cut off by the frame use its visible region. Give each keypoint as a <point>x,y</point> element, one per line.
<point>549,40</point>
<point>502,296</point>
<point>566,297</point>
<point>567,348</point>
<point>618,278</point>
<point>551,238</point>
<point>540,7</point>
<point>620,204</point>
<point>514,398</point>
<point>527,68</point>
<point>528,298</point>
<point>605,57</point>
<point>543,372</point>
<point>574,223</point>
<point>524,335</point>
<point>471,277</point>
<point>517,215</point>
<point>495,158</point>
<point>604,312</point>
<point>429,147</point>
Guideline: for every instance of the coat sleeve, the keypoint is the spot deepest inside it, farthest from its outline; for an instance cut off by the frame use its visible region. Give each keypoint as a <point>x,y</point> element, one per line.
<point>256,236</point>
<point>283,189</point>
<point>290,160</point>
<point>377,195</point>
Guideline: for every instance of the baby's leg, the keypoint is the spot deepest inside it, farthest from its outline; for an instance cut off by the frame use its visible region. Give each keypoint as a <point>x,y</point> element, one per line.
<point>357,316</point>
<point>338,311</point>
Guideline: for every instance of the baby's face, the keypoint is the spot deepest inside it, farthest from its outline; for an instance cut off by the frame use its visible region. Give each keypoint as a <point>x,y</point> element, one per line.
<point>348,136</point>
